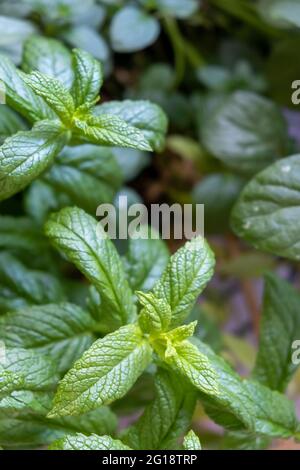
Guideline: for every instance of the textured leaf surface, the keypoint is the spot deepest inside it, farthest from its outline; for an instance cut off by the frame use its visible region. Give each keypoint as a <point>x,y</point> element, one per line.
<point>267,213</point>
<point>280,327</point>
<point>186,359</point>
<point>145,116</point>
<point>19,95</point>
<point>247,405</point>
<point>62,331</point>
<point>112,131</point>
<point>247,132</point>
<point>49,57</point>
<point>166,418</point>
<point>105,372</point>
<point>20,287</point>
<point>93,442</point>
<point>88,174</point>
<point>191,442</point>
<point>26,155</point>
<point>84,242</point>
<point>53,92</point>
<point>185,277</point>
<point>155,314</point>
<point>26,370</point>
<point>88,77</point>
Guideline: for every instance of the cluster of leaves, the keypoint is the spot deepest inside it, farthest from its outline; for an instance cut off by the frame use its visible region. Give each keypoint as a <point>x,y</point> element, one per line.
<point>138,308</point>
<point>119,333</point>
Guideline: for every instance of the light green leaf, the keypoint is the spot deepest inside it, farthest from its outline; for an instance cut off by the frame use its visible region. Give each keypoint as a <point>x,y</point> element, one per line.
<point>30,428</point>
<point>26,155</point>
<point>145,261</point>
<point>247,405</point>
<point>131,161</point>
<point>112,131</point>
<point>88,78</point>
<point>155,315</point>
<point>105,373</point>
<point>191,442</point>
<point>93,442</point>
<point>166,418</point>
<point>132,29</point>
<point>49,57</point>
<point>40,199</point>
<point>88,174</point>
<point>53,92</point>
<point>85,243</point>
<point>246,132</point>
<point>19,95</point>
<point>184,358</point>
<point>143,115</point>
<point>267,213</point>
<point>10,123</point>
<point>185,277</point>
<point>26,370</point>
<point>21,287</point>
<point>61,331</point>
<point>280,327</point>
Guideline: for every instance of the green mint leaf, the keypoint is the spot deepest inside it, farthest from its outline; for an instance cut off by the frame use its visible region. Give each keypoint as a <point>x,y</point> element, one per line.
<point>132,29</point>
<point>112,131</point>
<point>182,332</point>
<point>143,115</point>
<point>145,261</point>
<point>93,442</point>
<point>54,93</point>
<point>21,287</point>
<point>247,405</point>
<point>166,418</point>
<point>10,123</point>
<point>280,326</point>
<point>62,331</point>
<point>34,372</point>
<point>19,95</point>
<point>50,57</point>
<point>41,199</point>
<point>88,174</point>
<point>247,132</point>
<point>191,442</point>
<point>26,155</point>
<point>185,277</point>
<point>29,428</point>
<point>88,78</point>
<point>21,235</point>
<point>155,315</point>
<point>281,13</point>
<point>266,214</point>
<point>105,373</point>
<point>85,243</point>
<point>184,358</point>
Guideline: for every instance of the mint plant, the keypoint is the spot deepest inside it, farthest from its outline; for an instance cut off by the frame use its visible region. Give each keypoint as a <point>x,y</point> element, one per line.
<point>139,332</point>
<point>143,343</point>
<point>62,110</point>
